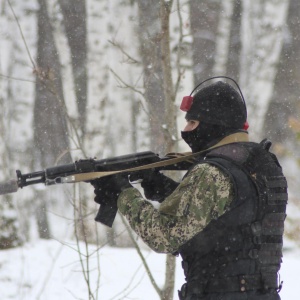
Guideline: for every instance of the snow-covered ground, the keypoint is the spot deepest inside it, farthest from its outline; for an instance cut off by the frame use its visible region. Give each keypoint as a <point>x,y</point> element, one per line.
<point>49,270</point>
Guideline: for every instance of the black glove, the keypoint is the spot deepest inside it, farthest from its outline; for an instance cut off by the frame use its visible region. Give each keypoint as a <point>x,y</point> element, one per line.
<point>107,190</point>
<point>158,186</point>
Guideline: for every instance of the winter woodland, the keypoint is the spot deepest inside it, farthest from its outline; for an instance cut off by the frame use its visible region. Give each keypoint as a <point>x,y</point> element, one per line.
<point>99,78</point>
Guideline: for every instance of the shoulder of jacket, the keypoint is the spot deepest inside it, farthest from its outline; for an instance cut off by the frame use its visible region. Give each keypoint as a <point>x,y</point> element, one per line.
<point>209,171</point>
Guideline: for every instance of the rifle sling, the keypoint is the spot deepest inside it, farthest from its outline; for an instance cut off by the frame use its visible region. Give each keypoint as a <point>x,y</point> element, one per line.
<point>179,157</point>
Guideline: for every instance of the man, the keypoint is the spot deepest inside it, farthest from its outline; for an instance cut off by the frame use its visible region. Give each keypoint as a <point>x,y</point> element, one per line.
<point>226,217</point>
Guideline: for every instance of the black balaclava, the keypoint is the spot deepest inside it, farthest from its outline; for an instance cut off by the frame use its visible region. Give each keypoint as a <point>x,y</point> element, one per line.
<point>220,110</point>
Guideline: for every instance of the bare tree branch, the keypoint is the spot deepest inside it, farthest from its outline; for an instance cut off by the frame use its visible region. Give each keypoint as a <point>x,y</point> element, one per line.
<point>16,78</point>
<point>126,85</point>
<point>22,35</point>
<point>130,59</point>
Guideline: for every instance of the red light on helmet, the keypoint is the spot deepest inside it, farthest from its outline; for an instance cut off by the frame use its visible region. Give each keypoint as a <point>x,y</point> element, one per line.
<point>186,103</point>
<point>246,125</point>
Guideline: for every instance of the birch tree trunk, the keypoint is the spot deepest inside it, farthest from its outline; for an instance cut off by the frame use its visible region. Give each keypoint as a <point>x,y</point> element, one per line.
<point>98,59</point>
<point>97,102</point>
<point>262,35</point>
<point>17,87</point>
<point>204,24</point>
<point>150,34</point>
<point>154,18</point>
<point>74,20</point>
<point>233,66</point>
<point>223,38</point>
<point>75,30</point>
<point>155,49</point>
<point>285,98</point>
<point>282,123</point>
<point>9,235</point>
<point>50,114</point>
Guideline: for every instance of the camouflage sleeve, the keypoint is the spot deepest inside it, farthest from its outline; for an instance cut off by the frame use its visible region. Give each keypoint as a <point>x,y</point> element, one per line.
<point>204,194</point>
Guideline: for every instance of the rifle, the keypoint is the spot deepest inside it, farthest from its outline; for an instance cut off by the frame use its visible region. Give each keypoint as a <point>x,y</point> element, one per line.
<point>89,169</point>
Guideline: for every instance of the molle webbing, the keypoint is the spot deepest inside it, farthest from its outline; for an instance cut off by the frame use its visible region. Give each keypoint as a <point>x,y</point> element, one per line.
<point>276,190</point>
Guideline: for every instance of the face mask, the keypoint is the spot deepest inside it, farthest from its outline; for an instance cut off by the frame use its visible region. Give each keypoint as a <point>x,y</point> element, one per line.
<point>204,136</point>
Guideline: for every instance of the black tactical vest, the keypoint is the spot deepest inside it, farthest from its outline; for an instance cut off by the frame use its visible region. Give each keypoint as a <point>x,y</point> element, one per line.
<point>240,252</point>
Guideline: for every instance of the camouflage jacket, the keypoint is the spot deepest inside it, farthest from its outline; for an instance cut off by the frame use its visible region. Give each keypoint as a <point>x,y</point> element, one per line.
<point>204,194</point>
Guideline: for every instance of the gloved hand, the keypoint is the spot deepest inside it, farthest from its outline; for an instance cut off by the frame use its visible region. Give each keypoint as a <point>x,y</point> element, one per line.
<point>107,190</point>
<point>157,186</point>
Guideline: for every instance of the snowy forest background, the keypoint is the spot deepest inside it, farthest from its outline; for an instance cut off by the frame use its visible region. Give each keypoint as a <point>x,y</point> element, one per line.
<point>100,78</point>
